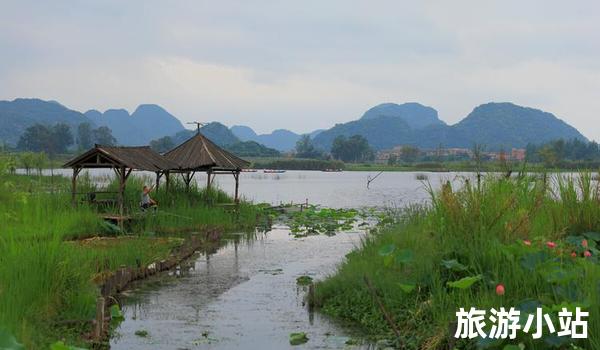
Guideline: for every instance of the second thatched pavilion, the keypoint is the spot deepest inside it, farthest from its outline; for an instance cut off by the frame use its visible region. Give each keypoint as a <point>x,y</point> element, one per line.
<point>199,154</point>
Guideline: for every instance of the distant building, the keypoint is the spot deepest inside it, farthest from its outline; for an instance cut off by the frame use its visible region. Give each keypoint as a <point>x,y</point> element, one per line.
<point>518,154</point>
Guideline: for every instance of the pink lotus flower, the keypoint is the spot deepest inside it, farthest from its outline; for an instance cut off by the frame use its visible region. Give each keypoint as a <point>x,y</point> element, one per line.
<point>587,254</point>
<point>584,243</point>
<point>527,242</point>
<point>500,289</point>
<point>551,244</point>
<point>573,255</point>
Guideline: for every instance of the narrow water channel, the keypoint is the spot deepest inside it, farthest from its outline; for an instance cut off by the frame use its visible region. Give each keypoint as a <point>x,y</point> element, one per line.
<point>243,296</point>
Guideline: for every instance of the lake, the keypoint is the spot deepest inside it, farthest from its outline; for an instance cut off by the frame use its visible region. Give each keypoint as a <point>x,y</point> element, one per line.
<point>244,295</point>
<point>330,189</point>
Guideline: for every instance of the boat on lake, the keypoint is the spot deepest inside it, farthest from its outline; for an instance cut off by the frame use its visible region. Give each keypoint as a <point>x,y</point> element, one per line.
<point>273,171</point>
<point>332,170</point>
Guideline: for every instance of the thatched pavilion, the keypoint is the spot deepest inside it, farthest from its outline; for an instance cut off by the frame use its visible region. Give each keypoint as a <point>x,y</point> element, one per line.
<point>123,160</point>
<point>199,154</point>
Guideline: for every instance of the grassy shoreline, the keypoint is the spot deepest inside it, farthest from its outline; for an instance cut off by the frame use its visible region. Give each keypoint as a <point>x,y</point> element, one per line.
<point>47,271</point>
<point>538,242</point>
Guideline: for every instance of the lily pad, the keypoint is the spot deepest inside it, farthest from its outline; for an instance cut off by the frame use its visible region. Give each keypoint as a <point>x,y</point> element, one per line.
<point>9,342</point>
<point>453,265</point>
<point>116,313</point>
<point>304,280</point>
<point>465,282</point>
<point>298,338</point>
<point>406,288</point>
<point>592,235</point>
<point>387,250</point>
<point>404,256</point>
<point>59,345</point>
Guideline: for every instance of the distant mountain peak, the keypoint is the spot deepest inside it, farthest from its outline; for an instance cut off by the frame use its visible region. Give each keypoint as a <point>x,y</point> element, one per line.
<point>416,115</point>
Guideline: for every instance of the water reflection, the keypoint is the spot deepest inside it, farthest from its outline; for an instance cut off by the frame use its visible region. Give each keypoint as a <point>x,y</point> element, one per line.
<point>243,296</point>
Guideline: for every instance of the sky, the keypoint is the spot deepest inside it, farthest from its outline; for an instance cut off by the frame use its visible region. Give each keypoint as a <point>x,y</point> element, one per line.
<point>304,65</point>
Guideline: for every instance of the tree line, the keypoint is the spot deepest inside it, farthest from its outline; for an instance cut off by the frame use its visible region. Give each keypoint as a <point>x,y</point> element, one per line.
<point>560,152</point>
<point>352,149</point>
<point>59,138</point>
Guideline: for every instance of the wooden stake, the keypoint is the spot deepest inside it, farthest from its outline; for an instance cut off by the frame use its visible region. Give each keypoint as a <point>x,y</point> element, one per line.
<point>74,186</point>
<point>100,307</point>
<point>236,175</point>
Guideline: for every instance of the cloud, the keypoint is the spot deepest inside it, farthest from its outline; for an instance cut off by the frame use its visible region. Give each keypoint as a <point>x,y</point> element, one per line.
<point>304,65</point>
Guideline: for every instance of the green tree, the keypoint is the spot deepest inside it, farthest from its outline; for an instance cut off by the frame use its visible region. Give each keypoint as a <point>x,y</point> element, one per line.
<point>85,136</point>
<point>548,155</point>
<point>36,138</point>
<point>27,161</point>
<point>306,149</point>
<point>40,160</point>
<point>392,159</point>
<point>352,149</point>
<point>103,136</point>
<point>162,145</point>
<point>409,153</point>
<point>61,139</point>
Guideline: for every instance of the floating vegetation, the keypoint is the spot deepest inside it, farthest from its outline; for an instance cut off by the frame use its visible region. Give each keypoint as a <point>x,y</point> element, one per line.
<point>315,221</point>
<point>141,333</point>
<point>304,280</point>
<point>298,338</point>
<point>272,271</point>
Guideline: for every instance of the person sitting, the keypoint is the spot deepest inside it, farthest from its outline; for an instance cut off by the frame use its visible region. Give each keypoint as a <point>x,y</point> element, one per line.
<point>147,202</point>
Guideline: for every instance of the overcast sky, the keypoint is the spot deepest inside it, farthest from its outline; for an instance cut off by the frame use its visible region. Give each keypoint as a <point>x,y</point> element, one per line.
<point>304,65</point>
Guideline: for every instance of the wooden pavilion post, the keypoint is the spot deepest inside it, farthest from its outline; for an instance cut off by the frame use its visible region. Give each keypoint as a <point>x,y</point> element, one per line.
<point>208,175</point>
<point>167,179</point>
<point>76,171</point>
<point>236,175</point>
<point>123,175</point>
<point>158,175</point>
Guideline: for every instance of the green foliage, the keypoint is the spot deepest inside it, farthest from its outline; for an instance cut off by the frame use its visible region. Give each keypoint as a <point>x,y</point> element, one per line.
<point>8,341</point>
<point>353,149</point>
<point>465,243</point>
<point>314,221</point>
<point>298,338</point>
<point>162,144</point>
<point>251,149</point>
<point>85,137</point>
<point>103,136</point>
<point>304,280</point>
<point>306,149</point>
<point>46,279</point>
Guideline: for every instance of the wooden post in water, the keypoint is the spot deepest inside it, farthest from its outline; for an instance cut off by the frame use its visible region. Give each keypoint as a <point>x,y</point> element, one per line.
<point>236,175</point>
<point>100,307</point>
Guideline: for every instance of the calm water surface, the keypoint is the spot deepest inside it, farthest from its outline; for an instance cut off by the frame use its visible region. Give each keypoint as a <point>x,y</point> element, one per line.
<point>244,296</point>
<point>334,190</point>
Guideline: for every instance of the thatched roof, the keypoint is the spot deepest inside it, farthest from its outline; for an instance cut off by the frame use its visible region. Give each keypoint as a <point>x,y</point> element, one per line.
<point>136,158</point>
<point>199,153</point>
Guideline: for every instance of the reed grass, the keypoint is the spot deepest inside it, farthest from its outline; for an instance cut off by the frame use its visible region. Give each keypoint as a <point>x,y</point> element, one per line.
<point>486,228</point>
<point>45,278</point>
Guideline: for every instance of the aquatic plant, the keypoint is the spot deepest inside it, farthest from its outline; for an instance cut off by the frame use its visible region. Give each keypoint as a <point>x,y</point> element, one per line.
<point>516,241</point>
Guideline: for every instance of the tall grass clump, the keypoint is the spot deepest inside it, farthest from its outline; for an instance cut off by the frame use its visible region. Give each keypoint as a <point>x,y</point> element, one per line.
<point>535,237</point>
<point>47,280</point>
